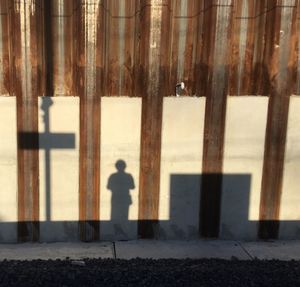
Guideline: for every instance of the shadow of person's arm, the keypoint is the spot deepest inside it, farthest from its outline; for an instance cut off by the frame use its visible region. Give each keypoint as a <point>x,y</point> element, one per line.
<point>131,182</point>
<point>110,183</point>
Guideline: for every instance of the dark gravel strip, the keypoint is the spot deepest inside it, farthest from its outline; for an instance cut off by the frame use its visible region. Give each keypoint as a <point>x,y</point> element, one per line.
<point>141,272</point>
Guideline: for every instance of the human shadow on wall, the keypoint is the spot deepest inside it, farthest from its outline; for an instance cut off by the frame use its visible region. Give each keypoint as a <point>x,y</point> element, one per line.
<point>120,183</point>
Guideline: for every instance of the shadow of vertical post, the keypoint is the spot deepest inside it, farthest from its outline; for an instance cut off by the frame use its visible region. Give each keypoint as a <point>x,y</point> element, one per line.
<point>49,141</point>
<point>184,195</point>
<point>34,141</point>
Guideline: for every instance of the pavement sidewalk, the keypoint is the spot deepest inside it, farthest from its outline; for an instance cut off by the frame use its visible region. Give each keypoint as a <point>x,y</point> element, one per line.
<point>281,250</point>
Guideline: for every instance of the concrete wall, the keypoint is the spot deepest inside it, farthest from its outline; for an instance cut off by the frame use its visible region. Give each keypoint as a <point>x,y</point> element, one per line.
<point>246,119</point>
<point>181,165</point>
<point>59,201</point>
<point>8,169</point>
<point>120,140</point>
<point>289,212</point>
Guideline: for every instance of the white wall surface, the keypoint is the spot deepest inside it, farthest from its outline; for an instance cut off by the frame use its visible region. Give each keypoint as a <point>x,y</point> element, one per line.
<point>246,119</point>
<point>120,140</point>
<point>181,165</point>
<point>64,170</point>
<point>290,200</point>
<point>8,169</point>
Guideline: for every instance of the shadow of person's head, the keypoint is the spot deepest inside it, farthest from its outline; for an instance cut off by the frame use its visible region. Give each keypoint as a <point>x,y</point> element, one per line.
<point>120,165</point>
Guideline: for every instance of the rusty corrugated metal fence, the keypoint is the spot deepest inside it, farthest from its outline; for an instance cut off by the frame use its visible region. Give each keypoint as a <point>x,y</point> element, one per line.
<point>143,48</point>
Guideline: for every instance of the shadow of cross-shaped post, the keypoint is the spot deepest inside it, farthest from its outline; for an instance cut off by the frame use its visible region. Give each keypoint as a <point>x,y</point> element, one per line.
<point>46,141</point>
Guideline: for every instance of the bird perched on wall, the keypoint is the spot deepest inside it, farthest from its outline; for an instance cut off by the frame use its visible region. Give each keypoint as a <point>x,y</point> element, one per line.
<point>179,88</point>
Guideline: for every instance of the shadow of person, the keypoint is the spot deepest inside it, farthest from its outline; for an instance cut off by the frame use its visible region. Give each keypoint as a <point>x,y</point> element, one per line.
<point>119,184</point>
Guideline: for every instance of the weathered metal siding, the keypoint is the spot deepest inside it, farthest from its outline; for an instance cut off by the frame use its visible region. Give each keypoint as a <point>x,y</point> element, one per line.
<point>282,52</point>
<point>217,54</point>
<point>120,46</point>
<point>296,90</point>
<point>59,44</point>
<point>143,48</point>
<point>26,57</point>
<point>250,45</point>
<point>4,49</point>
<point>153,65</point>
<point>89,62</point>
<point>186,32</point>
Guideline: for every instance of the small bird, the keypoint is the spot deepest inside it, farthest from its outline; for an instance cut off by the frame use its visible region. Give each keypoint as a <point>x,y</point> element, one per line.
<point>179,88</point>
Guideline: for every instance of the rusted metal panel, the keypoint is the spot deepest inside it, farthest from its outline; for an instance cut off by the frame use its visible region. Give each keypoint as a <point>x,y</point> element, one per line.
<point>130,47</point>
<point>90,19</point>
<point>281,46</point>
<point>59,46</point>
<point>253,78</point>
<point>114,47</point>
<point>120,47</point>
<point>26,40</point>
<point>4,49</point>
<point>242,48</point>
<point>218,19</point>
<point>185,25</point>
<point>249,56</point>
<point>297,85</point>
<point>251,50</point>
<point>249,53</point>
<point>154,61</point>
<point>144,48</point>
<point>201,67</point>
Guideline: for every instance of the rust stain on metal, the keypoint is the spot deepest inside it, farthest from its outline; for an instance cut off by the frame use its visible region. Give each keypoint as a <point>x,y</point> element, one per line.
<point>186,29</point>
<point>260,77</point>
<point>176,39</point>
<point>154,58</point>
<point>61,51</point>
<point>297,86</point>
<point>120,47</point>
<point>201,67</point>
<point>130,47</point>
<point>249,49</point>
<point>144,48</point>
<point>184,44</point>
<point>218,19</point>
<point>114,41</point>
<point>282,47</point>
<point>240,24</point>
<point>90,14</point>
<point>26,24</point>
<point>248,72</point>
<point>250,55</point>
<point>190,48</point>
<point>4,49</point>
<point>247,85</point>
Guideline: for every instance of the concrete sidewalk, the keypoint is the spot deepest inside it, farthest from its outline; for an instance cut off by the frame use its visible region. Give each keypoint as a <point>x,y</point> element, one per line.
<point>282,250</point>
